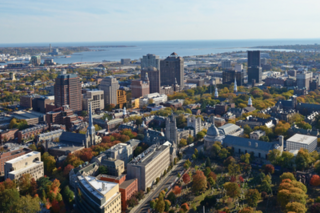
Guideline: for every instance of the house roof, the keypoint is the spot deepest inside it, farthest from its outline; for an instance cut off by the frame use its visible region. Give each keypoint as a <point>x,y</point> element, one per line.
<point>72,138</point>
<point>230,140</point>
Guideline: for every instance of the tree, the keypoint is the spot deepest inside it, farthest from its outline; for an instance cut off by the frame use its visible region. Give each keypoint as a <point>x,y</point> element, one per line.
<point>213,175</point>
<point>103,169</point>
<point>152,204</point>
<point>199,182</point>
<point>315,180</point>
<point>132,201</point>
<point>67,170</point>
<point>8,197</point>
<point>253,196</point>
<point>247,130</point>
<point>188,111</point>
<point>269,169</point>
<point>296,207</point>
<point>24,184</point>
<point>186,178</point>
<point>246,210</point>
<point>185,207</point>
<point>228,161</point>
<point>139,195</point>
<point>315,208</point>
<point>304,125</point>
<point>200,135</point>
<point>287,175</point>
<point>160,206</point>
<point>208,163</point>
<point>273,155</point>
<point>223,153</point>
<point>303,159</point>
<point>33,187</point>
<point>176,190</point>
<point>295,118</point>
<point>49,162</point>
<point>26,204</point>
<point>211,181</point>
<point>167,205</point>
<point>172,197</point>
<point>232,188</point>
<point>68,194</point>
<point>233,169</point>
<point>245,158</point>
<point>33,147</point>
<point>207,171</point>
<point>183,142</point>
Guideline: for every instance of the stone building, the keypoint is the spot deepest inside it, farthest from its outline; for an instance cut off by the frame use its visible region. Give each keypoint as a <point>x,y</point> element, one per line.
<point>109,85</point>
<point>115,167</point>
<point>171,129</point>
<point>149,165</point>
<point>257,134</point>
<point>196,124</point>
<point>121,151</point>
<point>95,97</point>
<point>9,155</point>
<point>29,163</point>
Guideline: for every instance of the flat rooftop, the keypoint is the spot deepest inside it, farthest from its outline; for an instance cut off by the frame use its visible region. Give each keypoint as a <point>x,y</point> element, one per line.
<point>23,157</point>
<point>26,168</point>
<point>304,139</point>
<point>96,186</point>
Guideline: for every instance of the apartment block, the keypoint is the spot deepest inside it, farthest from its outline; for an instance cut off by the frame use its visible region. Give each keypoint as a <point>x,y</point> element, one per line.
<point>26,164</point>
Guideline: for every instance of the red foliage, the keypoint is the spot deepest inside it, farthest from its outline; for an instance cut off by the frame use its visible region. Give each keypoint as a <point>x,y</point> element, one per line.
<point>176,190</point>
<point>185,207</point>
<point>315,180</point>
<point>58,207</point>
<point>233,179</point>
<point>213,175</point>
<point>186,178</point>
<point>67,169</point>
<point>9,184</point>
<point>269,169</point>
<point>241,179</point>
<point>106,139</point>
<point>33,187</point>
<point>86,154</point>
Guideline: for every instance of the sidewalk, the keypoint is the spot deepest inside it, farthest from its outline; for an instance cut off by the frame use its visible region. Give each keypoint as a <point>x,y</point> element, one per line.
<point>151,193</point>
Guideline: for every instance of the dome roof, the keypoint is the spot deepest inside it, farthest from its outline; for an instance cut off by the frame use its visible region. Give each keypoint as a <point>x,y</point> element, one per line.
<point>213,131</point>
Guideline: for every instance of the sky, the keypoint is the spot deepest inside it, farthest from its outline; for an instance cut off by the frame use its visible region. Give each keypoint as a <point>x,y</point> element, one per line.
<point>38,21</point>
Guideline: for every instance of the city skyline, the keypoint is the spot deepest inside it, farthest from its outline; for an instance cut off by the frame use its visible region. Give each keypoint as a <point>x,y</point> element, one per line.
<point>65,21</point>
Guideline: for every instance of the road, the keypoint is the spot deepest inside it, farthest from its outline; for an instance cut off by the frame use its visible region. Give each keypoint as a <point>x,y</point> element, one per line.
<point>144,206</point>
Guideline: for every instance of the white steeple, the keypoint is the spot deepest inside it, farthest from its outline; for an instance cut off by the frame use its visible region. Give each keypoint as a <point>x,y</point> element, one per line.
<point>235,85</point>
<point>216,94</point>
<point>124,112</point>
<point>250,102</point>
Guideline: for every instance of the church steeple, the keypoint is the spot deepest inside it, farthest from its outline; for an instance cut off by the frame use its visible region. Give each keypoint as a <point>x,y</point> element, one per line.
<point>91,130</point>
<point>235,85</point>
<point>216,94</point>
<point>250,102</point>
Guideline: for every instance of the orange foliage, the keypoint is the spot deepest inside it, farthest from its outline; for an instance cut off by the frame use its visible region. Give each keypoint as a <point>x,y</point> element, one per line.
<point>176,190</point>
<point>315,180</point>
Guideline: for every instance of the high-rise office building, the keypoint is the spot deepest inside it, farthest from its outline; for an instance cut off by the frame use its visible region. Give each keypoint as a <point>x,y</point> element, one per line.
<point>110,86</point>
<point>140,88</point>
<point>35,60</point>
<point>95,97</point>
<point>67,91</point>
<point>254,67</point>
<point>172,69</point>
<point>303,79</point>
<point>150,60</point>
<point>154,78</point>
<point>228,77</point>
<point>254,58</point>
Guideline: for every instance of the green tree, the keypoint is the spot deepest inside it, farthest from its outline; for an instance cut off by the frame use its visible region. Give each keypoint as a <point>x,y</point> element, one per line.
<point>68,194</point>
<point>103,169</point>
<point>252,197</point>
<point>234,169</point>
<point>247,130</point>
<point>160,206</point>
<point>304,125</point>
<point>49,162</point>
<point>172,197</point>
<point>287,175</point>
<point>200,135</point>
<point>26,204</point>
<point>188,111</point>
<point>296,207</point>
<point>232,188</point>
<point>303,159</point>
<point>167,205</point>
<point>8,198</point>
<point>245,158</point>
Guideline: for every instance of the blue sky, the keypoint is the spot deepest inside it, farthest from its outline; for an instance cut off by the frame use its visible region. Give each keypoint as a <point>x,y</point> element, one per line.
<point>30,21</point>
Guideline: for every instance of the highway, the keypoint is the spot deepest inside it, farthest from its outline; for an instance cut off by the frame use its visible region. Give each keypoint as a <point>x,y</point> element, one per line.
<point>144,206</point>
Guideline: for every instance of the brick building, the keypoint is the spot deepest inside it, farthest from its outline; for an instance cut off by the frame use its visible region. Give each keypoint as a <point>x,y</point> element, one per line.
<point>139,88</point>
<point>6,156</point>
<point>31,132</point>
<point>7,135</point>
<point>64,116</point>
<point>126,187</point>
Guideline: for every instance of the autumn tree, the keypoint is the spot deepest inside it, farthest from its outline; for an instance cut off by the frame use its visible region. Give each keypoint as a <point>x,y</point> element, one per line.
<point>167,205</point>
<point>185,207</point>
<point>160,205</point>
<point>269,169</point>
<point>67,170</point>
<point>315,208</point>
<point>245,158</point>
<point>296,207</point>
<point>199,182</point>
<point>232,188</point>
<point>176,190</point>
<point>315,180</point>
<point>303,159</point>
<point>234,169</point>
<point>26,204</point>
<point>287,175</point>
<point>186,178</point>
<point>24,184</point>
<point>252,197</point>
<point>9,195</point>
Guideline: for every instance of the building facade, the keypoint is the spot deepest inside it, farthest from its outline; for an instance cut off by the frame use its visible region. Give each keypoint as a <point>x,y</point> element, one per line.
<point>29,163</point>
<point>298,141</point>
<point>150,61</point>
<point>172,69</point>
<point>67,91</point>
<point>140,88</point>
<point>154,78</point>
<point>97,196</point>
<point>304,79</point>
<point>149,165</point>
<point>171,129</point>
<point>96,98</point>
<point>7,156</point>
<point>121,151</point>
<point>109,85</point>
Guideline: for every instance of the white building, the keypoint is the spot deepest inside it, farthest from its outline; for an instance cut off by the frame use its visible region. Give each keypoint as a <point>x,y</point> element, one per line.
<point>109,85</point>
<point>26,164</point>
<point>155,97</point>
<point>298,141</point>
<point>238,67</point>
<point>96,97</point>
